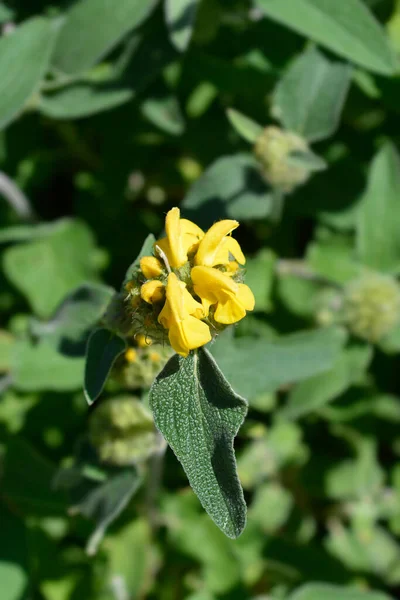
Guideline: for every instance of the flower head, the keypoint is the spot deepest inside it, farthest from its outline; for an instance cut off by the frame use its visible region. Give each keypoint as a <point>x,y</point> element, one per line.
<point>191,289</point>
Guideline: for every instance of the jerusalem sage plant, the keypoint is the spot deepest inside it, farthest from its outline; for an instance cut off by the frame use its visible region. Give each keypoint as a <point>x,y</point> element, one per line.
<point>183,290</point>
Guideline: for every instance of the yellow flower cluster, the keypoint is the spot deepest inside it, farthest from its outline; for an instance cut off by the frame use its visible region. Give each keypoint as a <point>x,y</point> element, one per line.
<point>195,281</point>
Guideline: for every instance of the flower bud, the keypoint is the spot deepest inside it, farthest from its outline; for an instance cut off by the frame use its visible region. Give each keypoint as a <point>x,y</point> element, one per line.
<point>153,291</point>
<point>371,306</point>
<point>150,267</point>
<point>272,149</point>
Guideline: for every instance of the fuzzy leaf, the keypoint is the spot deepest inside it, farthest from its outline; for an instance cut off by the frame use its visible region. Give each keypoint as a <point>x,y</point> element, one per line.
<point>199,415</point>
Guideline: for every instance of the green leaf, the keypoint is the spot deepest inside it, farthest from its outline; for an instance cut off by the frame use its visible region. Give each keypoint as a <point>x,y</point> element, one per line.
<point>40,366</point>
<point>246,127</point>
<point>306,159</point>
<point>77,313</point>
<point>231,187</point>
<point>316,392</point>
<point>271,507</point>
<point>45,270</point>
<point>14,560</point>
<point>103,349</point>
<point>147,249</point>
<point>180,16</point>
<point>84,99</point>
<point>199,415</point>
<point>309,98</point>
<point>254,365</point>
<point>348,28</point>
<point>92,28</point>
<point>378,219</point>
<point>28,50</point>
<point>260,271</point>
<point>132,556</point>
<point>100,500</point>
<point>165,113</point>
<point>317,591</point>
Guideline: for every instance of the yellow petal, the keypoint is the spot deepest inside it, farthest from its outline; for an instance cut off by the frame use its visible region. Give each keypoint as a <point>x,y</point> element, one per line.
<point>150,267</point>
<point>188,334</point>
<point>191,305</point>
<point>234,248</point>
<point>152,291</point>
<point>212,285</point>
<point>210,245</point>
<point>229,312</point>
<point>175,238</point>
<point>246,296</point>
<point>163,244</point>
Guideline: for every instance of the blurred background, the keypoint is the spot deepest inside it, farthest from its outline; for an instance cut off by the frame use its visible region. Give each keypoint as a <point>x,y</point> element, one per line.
<point>284,115</point>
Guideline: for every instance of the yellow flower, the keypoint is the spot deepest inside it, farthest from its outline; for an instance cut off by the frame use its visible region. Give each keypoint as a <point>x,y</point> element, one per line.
<point>150,267</point>
<point>214,287</point>
<point>217,245</point>
<point>131,355</point>
<point>181,316</point>
<point>182,238</point>
<point>152,291</point>
<point>143,340</point>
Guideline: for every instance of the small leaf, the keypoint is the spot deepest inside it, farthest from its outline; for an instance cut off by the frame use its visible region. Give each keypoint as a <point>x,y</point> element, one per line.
<point>165,113</point>
<point>306,159</point>
<point>84,99</point>
<point>180,16</point>
<point>378,219</point>
<point>146,250</point>
<point>28,50</point>
<point>316,392</point>
<point>348,28</point>
<point>317,591</point>
<point>92,28</point>
<point>103,349</point>
<point>310,96</point>
<point>246,127</point>
<point>199,415</point>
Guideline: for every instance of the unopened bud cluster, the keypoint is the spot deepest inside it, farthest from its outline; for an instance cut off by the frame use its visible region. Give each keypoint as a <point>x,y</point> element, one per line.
<point>141,363</point>
<point>272,149</point>
<point>122,431</point>
<point>371,306</point>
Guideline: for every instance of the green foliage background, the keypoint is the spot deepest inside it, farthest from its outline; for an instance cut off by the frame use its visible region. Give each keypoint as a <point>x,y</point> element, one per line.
<point>110,114</point>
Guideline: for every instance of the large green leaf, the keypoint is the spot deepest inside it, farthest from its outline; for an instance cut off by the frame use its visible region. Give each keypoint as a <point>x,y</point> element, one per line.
<point>180,16</point>
<point>348,28</point>
<point>40,366</point>
<point>103,349</point>
<point>316,392</point>
<point>231,187</point>
<point>24,58</point>
<point>254,366</point>
<point>92,28</point>
<point>199,415</point>
<point>309,98</point>
<point>46,269</point>
<point>14,561</point>
<point>378,218</point>
<point>317,591</point>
